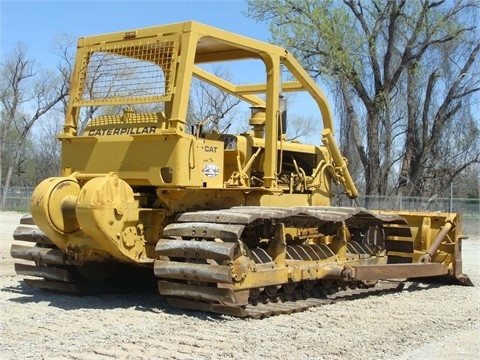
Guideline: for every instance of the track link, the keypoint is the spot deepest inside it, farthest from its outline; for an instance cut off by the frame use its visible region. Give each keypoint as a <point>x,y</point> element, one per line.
<point>207,254</point>
<point>44,266</point>
<point>266,310</point>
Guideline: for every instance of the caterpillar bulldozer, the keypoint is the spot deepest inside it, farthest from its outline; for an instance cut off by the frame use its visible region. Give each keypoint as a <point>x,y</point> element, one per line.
<point>238,224</point>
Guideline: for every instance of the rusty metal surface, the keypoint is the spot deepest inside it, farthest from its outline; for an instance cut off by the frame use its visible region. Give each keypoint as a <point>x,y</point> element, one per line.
<point>53,285</point>
<point>45,266</point>
<point>248,214</point>
<point>184,283</point>
<point>38,254</point>
<point>210,307</point>
<point>196,292</point>
<point>266,212</point>
<point>237,215</point>
<point>44,272</point>
<point>327,213</point>
<point>226,216</point>
<point>27,220</point>
<point>204,230</point>
<point>385,218</point>
<point>194,249</point>
<point>30,234</point>
<point>398,271</point>
<point>228,225</point>
<point>262,310</point>
<point>192,271</point>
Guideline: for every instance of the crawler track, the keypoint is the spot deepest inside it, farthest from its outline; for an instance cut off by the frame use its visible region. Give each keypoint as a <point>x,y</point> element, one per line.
<point>265,310</point>
<point>206,254</point>
<point>44,266</point>
<point>216,260</point>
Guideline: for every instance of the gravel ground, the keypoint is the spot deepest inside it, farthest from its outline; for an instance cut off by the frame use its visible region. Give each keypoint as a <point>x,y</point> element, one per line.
<point>436,322</point>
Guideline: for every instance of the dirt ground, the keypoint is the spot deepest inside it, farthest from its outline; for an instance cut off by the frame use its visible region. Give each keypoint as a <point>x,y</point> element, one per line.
<point>436,322</point>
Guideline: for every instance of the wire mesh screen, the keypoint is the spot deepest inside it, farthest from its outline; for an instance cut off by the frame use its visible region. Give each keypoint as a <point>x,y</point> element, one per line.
<point>131,73</point>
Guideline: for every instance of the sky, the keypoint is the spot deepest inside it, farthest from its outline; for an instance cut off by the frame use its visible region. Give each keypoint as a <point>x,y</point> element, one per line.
<point>37,22</point>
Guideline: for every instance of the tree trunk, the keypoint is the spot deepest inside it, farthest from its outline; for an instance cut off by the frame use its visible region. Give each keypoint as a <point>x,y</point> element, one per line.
<point>373,171</point>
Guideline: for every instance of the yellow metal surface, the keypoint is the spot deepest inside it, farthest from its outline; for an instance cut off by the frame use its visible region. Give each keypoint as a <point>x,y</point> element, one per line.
<point>100,221</point>
<point>135,168</point>
<point>145,49</point>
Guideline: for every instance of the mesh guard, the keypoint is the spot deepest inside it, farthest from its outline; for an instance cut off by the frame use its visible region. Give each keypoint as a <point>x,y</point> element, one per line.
<point>137,71</point>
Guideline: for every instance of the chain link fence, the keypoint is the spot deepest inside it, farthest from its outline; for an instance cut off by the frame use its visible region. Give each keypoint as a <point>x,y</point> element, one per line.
<point>469,208</point>
<point>18,199</point>
<point>459,205</point>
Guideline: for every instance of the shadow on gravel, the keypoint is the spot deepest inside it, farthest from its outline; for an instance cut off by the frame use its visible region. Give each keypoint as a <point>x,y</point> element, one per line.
<point>149,301</point>
<point>419,286</point>
<point>145,300</point>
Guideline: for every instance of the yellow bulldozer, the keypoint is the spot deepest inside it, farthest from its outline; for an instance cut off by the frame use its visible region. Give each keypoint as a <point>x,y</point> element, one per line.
<point>238,224</point>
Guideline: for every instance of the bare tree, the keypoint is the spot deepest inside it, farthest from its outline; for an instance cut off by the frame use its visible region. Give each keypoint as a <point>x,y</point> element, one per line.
<point>300,127</point>
<point>63,46</point>
<point>211,108</point>
<point>42,150</point>
<point>442,133</point>
<point>366,50</point>
<point>27,93</point>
